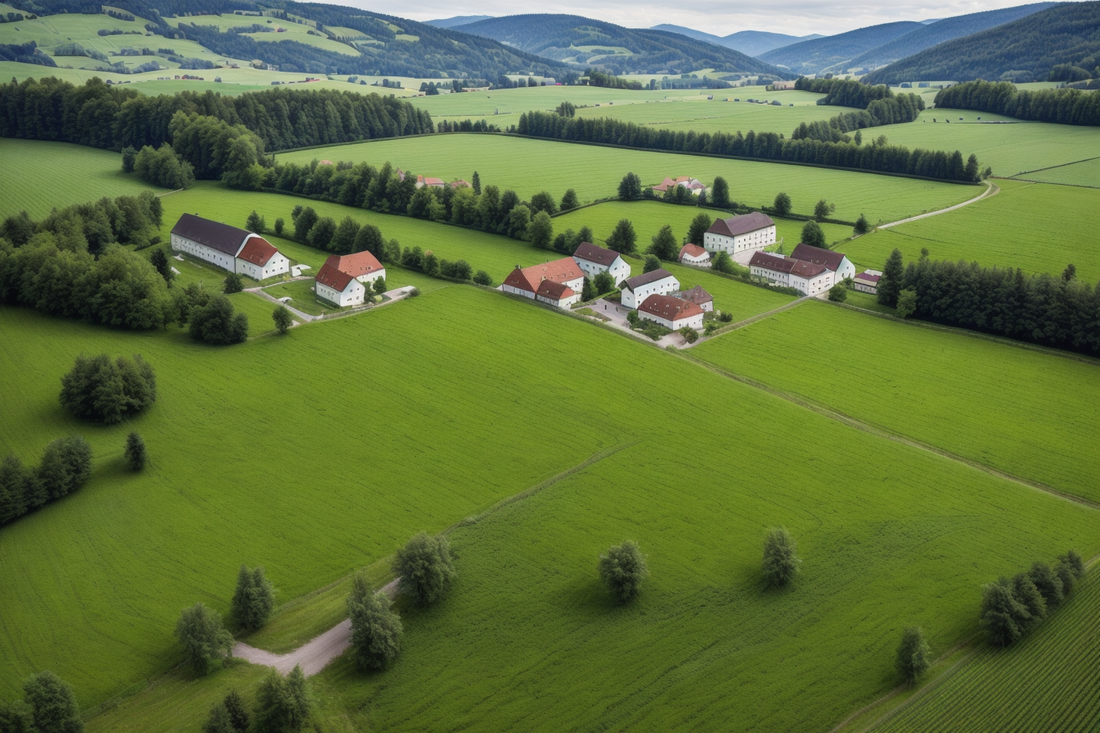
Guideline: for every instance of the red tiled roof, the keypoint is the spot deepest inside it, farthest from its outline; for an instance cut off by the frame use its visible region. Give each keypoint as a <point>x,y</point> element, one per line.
<point>529,278</point>
<point>554,291</point>
<point>258,251</point>
<point>356,265</point>
<point>817,255</point>
<point>599,255</point>
<point>777,263</point>
<point>430,181</point>
<point>692,250</point>
<point>460,184</point>
<point>669,308</point>
<point>331,277</point>
<point>517,279</point>
<point>738,225</point>
<point>665,184</point>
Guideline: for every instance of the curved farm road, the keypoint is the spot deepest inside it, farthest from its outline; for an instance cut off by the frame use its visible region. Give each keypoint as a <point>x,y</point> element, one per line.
<point>314,655</point>
<point>990,190</point>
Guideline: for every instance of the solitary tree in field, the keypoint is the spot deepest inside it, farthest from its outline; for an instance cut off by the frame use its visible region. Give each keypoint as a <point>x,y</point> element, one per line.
<point>282,318</point>
<point>720,194</point>
<point>425,568</point>
<point>651,263</point>
<point>622,569</point>
<point>812,234</point>
<point>699,226</point>
<point>203,637</point>
<point>630,187</point>
<point>135,452</point>
<point>822,209</point>
<point>861,226</point>
<point>623,239</point>
<point>664,244</point>
<point>889,285</point>
<point>254,599</point>
<point>913,655</point>
<point>781,560</point>
<point>52,704</point>
<point>782,204</point>
<point>375,627</point>
<point>233,284</point>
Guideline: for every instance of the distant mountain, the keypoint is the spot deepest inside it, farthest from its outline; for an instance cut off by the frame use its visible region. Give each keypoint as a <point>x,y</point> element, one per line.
<point>1023,50</point>
<point>938,32</point>
<point>812,57</point>
<point>750,43</point>
<point>584,42</point>
<point>457,21</point>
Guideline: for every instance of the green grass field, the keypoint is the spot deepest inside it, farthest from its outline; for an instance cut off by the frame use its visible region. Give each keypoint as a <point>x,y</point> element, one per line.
<point>529,166</point>
<point>1035,227</point>
<point>883,548</point>
<point>992,403</point>
<point>1085,173</point>
<point>43,176</point>
<point>1045,682</point>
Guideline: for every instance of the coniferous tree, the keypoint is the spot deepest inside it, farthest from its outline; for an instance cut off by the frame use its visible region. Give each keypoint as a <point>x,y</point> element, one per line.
<point>1048,583</point>
<point>861,226</point>
<point>255,223</point>
<point>218,721</point>
<point>569,200</point>
<point>623,239</point>
<point>253,600</point>
<point>159,260</point>
<point>587,291</point>
<point>15,489</point>
<point>720,193</point>
<point>135,452</point>
<point>651,263</point>
<point>890,284</point>
<point>475,183</point>
<point>238,714</point>
<point>664,244</point>
<point>699,226</point>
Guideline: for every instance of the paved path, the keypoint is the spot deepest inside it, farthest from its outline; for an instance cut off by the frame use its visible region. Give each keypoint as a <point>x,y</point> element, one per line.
<point>314,655</point>
<point>302,317</point>
<point>990,190</point>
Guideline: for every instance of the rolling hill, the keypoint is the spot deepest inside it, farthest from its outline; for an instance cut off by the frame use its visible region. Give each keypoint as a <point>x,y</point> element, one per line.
<point>941,31</point>
<point>457,21</point>
<point>1022,50</point>
<point>329,38</point>
<point>584,42</point>
<point>750,43</point>
<point>811,57</point>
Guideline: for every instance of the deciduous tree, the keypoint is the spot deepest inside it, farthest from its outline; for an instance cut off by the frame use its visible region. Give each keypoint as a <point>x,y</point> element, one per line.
<point>425,568</point>
<point>781,559</point>
<point>255,223</point>
<point>623,239</point>
<point>651,263</point>
<point>907,303</point>
<point>540,231</point>
<point>699,226</point>
<point>913,656</point>
<point>782,204</point>
<point>204,638</point>
<point>135,452</point>
<point>375,627</point>
<point>813,235</point>
<point>822,209</point>
<point>720,193</point>
<point>569,200</point>
<point>52,703</point>
<point>282,318</point>
<point>233,284</point>
<point>664,244</point>
<point>630,187</point>
<point>623,569</point>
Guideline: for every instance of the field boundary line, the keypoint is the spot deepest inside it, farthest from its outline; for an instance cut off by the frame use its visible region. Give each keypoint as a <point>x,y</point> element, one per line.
<point>1060,165</point>
<point>883,432</point>
<point>991,189</point>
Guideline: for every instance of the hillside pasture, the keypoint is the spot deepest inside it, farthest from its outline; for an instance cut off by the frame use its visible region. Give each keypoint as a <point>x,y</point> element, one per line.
<point>529,166</point>
<point>1084,173</point>
<point>1035,227</point>
<point>1044,682</point>
<point>41,176</point>
<point>1025,412</point>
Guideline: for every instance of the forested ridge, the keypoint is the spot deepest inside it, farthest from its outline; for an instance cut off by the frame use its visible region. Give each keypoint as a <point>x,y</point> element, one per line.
<point>813,56</point>
<point>1064,106</point>
<point>1023,50</point>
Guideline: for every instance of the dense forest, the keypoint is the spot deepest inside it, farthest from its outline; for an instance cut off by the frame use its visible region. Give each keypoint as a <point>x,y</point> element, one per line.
<point>425,51</point>
<point>844,92</point>
<point>562,37</point>
<point>811,57</point>
<point>1064,106</point>
<point>942,30</point>
<point>877,156</point>
<point>883,107</point>
<point>1022,51</point>
<point>103,116</point>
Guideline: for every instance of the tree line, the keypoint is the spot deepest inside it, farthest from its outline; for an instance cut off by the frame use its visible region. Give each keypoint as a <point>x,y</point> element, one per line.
<point>889,111</point>
<point>844,92</point>
<point>1013,606</point>
<point>879,157</point>
<point>1063,106</point>
<point>65,467</point>
<point>1060,312</point>
<point>113,117</point>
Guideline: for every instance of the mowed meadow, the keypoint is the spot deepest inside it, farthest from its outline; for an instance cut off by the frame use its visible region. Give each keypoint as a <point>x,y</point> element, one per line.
<point>321,451</point>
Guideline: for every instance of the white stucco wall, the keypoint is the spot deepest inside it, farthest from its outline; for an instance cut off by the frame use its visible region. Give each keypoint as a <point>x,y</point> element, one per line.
<point>517,291</point>
<point>666,286</point>
<point>695,321</point>
<point>354,294</point>
<point>747,242</point>
<point>204,253</point>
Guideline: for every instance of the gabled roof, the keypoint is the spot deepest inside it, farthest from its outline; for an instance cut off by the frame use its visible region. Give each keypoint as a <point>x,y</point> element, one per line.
<point>778,263</point>
<point>592,253</point>
<point>356,265</point>
<point>331,277</point>
<point>258,251</point>
<point>738,225</point>
<point>213,234</point>
<point>517,278</point>
<point>669,308</point>
<point>817,255</point>
<point>697,295</point>
<point>554,291</point>
<point>665,184</point>
<point>633,283</point>
<point>693,250</point>
<point>867,277</point>
<point>529,278</point>
<point>460,184</point>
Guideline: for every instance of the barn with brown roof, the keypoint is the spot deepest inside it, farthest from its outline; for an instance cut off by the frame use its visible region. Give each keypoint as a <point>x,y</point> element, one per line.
<point>227,247</point>
<point>808,277</point>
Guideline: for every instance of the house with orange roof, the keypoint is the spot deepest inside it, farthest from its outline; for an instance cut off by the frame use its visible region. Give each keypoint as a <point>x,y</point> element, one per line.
<point>422,181</point>
<point>346,279</point>
<point>363,266</point>
<point>671,312</point>
<point>694,255</point>
<point>528,282</point>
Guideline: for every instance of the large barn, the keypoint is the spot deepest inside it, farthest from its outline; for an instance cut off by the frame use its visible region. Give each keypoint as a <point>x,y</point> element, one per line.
<point>227,247</point>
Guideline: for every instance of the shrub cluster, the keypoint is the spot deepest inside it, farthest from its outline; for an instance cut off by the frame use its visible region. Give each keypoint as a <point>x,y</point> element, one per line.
<point>100,390</point>
<point>66,465</point>
<point>1012,607</point>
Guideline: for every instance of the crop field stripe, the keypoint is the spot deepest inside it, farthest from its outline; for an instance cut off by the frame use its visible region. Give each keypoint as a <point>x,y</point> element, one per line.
<point>884,432</point>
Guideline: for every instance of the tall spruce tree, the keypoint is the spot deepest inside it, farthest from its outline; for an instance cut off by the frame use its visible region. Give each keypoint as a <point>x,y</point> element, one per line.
<point>891,282</point>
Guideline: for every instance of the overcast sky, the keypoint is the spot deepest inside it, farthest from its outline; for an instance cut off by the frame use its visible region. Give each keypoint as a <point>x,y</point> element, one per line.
<point>795,17</point>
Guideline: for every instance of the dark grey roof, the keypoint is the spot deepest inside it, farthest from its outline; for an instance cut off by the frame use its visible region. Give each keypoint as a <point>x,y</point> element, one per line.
<point>737,225</point>
<point>599,255</point>
<point>221,237</point>
<point>646,278</point>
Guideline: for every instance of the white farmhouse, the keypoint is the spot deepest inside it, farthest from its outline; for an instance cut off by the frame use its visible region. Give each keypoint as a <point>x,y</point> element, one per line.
<point>593,260</point>
<point>527,281</point>
<point>841,267</point>
<point>363,266</point>
<point>636,289</point>
<point>337,287</point>
<point>225,247</point>
<point>694,255</point>
<point>556,294</point>
<point>808,277</point>
<point>744,233</point>
<point>671,312</point>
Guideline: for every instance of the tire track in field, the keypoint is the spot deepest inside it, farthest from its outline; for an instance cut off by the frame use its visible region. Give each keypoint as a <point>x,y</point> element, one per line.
<point>881,432</point>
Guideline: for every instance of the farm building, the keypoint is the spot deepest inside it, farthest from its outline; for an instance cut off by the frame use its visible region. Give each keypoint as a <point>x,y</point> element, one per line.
<point>526,281</point>
<point>841,267</point>
<point>227,247</point>
<point>556,294</point>
<point>339,287</point>
<point>740,233</point>
<point>699,297</point>
<point>671,312</point>
<point>422,181</point>
<point>694,255</point>
<point>808,277</point>
<point>867,281</point>
<point>691,184</point>
<point>363,266</point>
<point>636,289</point>
<point>593,260</point>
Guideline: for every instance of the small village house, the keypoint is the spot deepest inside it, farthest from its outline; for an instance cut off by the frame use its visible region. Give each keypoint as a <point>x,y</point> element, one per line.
<point>699,297</point>
<point>593,260</point>
<point>223,246</point>
<point>867,281</point>
<point>363,266</point>
<point>636,289</point>
<point>671,312</point>
<point>836,262</point>
<point>744,233</point>
<point>808,277</point>
<point>339,288</point>
<point>527,281</point>
<point>556,294</point>
<point>692,184</point>
<point>694,256</point>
